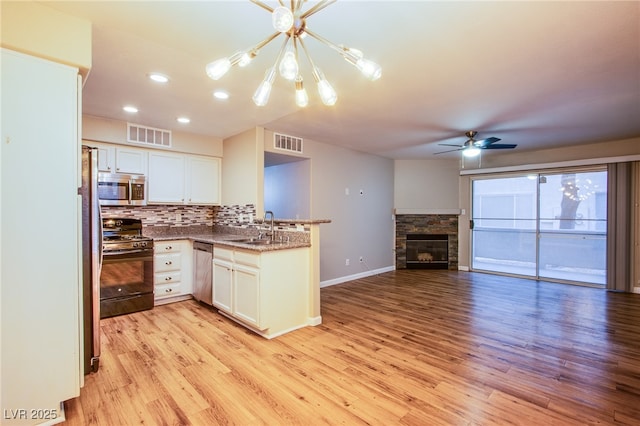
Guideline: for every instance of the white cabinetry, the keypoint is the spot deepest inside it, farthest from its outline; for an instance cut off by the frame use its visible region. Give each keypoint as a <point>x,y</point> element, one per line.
<point>266,291</point>
<point>183,179</point>
<point>113,159</point>
<point>202,180</point>
<point>40,351</point>
<point>166,178</point>
<point>172,271</point>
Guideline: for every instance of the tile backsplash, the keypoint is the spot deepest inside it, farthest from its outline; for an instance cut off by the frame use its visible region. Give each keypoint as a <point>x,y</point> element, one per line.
<point>235,218</point>
<point>165,215</point>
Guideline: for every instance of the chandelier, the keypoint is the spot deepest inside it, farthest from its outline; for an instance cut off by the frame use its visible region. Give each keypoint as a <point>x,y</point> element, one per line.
<point>291,22</point>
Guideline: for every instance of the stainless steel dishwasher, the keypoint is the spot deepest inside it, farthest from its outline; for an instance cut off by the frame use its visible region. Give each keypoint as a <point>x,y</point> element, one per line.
<point>203,272</point>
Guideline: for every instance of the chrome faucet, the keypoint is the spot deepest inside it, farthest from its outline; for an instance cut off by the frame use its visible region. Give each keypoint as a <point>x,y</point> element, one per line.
<point>270,233</point>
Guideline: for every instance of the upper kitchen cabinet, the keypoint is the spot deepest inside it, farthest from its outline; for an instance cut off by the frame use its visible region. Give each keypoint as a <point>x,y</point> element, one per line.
<point>183,179</point>
<point>165,181</point>
<point>203,180</point>
<point>112,159</point>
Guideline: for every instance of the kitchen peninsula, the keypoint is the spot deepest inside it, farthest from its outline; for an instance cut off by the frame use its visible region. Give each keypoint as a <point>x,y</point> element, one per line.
<point>269,285</point>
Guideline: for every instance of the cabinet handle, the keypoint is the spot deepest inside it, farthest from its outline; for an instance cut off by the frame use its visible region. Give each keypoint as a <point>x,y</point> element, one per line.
<point>168,248</point>
<point>169,290</point>
<point>168,279</point>
<point>117,168</point>
<point>168,263</point>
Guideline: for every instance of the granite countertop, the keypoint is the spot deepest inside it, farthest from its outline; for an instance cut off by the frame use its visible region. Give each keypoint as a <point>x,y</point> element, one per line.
<point>230,240</point>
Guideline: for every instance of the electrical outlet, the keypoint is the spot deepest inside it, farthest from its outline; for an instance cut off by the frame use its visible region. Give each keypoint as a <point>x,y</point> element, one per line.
<point>178,217</point>
<point>346,262</point>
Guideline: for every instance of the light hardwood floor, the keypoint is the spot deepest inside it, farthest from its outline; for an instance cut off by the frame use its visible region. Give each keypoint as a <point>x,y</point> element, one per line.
<point>404,347</point>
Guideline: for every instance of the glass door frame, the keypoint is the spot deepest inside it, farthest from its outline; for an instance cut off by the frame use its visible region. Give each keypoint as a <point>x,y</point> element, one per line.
<point>538,232</point>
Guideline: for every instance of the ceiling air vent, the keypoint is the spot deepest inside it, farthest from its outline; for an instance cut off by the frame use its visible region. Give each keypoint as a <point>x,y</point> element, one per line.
<point>287,143</point>
<point>148,135</point>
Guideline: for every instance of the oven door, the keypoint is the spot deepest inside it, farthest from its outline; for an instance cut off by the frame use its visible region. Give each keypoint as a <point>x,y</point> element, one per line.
<point>126,282</point>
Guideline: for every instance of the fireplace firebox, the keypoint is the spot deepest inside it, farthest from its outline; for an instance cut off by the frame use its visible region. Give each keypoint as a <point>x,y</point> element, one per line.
<point>427,251</point>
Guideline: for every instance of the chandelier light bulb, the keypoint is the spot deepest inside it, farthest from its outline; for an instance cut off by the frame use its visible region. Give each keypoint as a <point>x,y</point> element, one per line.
<point>288,65</point>
<point>245,59</point>
<point>282,19</point>
<point>327,93</point>
<point>471,151</point>
<point>216,69</point>
<point>261,96</point>
<point>302,99</point>
<point>369,69</point>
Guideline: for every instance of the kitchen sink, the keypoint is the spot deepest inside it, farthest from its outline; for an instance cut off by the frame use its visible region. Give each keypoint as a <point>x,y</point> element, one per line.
<point>260,242</point>
<point>255,241</point>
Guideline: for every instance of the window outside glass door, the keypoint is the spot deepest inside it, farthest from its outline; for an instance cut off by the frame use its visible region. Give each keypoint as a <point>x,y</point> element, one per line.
<point>549,226</point>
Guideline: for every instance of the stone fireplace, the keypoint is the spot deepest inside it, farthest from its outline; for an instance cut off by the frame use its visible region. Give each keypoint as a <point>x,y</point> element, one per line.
<point>427,241</point>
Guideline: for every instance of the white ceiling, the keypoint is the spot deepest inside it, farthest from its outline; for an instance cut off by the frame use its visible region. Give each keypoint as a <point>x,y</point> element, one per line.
<point>537,74</point>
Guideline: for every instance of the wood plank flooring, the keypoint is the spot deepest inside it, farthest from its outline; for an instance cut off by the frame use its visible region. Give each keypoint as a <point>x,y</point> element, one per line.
<point>405,347</point>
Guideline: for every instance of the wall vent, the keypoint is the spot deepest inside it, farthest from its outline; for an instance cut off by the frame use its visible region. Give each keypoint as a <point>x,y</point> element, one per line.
<point>148,135</point>
<point>287,143</point>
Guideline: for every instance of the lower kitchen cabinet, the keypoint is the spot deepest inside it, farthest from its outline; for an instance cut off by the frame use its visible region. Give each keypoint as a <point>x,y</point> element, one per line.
<point>267,292</point>
<point>172,271</point>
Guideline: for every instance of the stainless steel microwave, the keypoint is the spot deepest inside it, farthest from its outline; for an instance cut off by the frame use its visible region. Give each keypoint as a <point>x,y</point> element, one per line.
<point>116,189</point>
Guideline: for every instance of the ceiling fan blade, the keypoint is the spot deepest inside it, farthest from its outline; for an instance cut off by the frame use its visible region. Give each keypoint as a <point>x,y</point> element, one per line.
<point>486,142</point>
<point>500,146</point>
<point>450,150</point>
<point>450,144</point>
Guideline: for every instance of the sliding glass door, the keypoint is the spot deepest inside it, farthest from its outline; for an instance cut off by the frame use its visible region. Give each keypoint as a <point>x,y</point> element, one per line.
<point>550,225</point>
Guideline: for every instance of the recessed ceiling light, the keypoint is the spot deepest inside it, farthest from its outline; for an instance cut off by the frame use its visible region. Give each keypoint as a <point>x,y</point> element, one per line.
<point>220,94</point>
<point>159,78</point>
<point>183,120</point>
<point>130,109</point>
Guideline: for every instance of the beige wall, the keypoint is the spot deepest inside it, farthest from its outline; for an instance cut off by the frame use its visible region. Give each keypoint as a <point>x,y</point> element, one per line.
<point>426,184</point>
<point>114,131</point>
<point>41,31</point>
<point>243,170</point>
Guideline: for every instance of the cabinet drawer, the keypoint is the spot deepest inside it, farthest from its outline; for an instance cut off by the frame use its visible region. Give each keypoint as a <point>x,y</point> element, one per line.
<point>248,258</point>
<point>222,253</point>
<point>167,247</point>
<point>167,277</point>
<point>167,262</point>
<point>167,290</point>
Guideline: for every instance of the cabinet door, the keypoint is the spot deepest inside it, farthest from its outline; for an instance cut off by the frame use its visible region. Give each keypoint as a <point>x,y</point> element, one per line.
<point>106,158</point>
<point>203,180</point>
<point>246,294</point>
<point>222,285</point>
<point>166,178</point>
<point>130,161</point>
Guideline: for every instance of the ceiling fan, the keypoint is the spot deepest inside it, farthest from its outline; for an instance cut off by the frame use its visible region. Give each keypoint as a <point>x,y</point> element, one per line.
<point>472,147</point>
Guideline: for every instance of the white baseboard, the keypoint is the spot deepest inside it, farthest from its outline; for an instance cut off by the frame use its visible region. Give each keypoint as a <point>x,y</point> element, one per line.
<point>636,290</point>
<point>463,268</point>
<point>356,276</point>
<point>313,321</point>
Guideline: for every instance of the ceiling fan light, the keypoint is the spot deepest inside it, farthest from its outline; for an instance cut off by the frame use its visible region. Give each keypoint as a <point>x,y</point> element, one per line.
<point>216,69</point>
<point>282,19</point>
<point>471,151</point>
